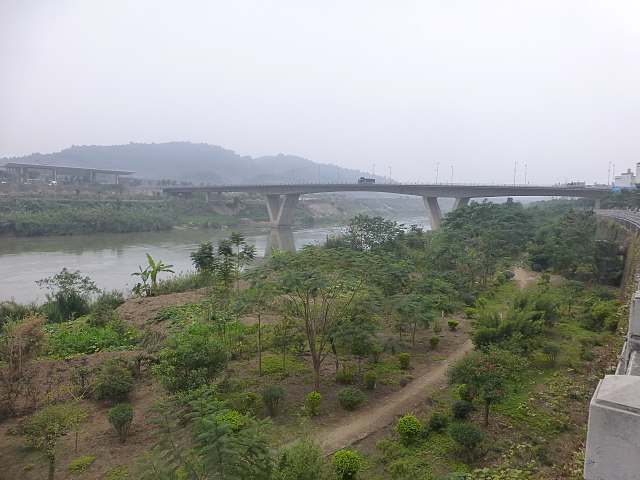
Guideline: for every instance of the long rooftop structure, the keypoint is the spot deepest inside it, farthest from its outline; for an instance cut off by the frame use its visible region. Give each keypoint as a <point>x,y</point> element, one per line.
<point>22,170</point>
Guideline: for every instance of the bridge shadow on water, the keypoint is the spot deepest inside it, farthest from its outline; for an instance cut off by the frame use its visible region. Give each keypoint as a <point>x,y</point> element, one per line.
<point>280,239</point>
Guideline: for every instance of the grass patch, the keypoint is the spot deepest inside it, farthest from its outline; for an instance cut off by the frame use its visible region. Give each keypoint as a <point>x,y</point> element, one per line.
<point>273,366</point>
<point>81,463</point>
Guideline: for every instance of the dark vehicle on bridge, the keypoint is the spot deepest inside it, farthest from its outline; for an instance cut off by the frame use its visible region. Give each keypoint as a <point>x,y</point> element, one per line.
<point>366,180</point>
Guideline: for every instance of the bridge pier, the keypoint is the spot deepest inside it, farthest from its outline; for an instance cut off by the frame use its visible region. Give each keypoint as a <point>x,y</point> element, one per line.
<point>281,209</point>
<point>461,202</point>
<point>596,205</point>
<point>433,211</point>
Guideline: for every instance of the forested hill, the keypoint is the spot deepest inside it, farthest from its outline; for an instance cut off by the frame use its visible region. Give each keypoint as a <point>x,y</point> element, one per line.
<point>197,163</point>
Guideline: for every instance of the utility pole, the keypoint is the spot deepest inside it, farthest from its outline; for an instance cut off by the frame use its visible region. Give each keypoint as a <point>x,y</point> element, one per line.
<point>451,182</point>
<point>389,173</point>
<point>515,169</point>
<point>609,174</point>
<point>525,174</point>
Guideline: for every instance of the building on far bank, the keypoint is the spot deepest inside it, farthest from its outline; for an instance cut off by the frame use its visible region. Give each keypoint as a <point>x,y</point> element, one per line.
<point>36,172</point>
<point>627,179</point>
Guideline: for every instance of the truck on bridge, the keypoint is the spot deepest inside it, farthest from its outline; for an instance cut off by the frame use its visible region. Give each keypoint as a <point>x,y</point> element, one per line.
<point>366,180</point>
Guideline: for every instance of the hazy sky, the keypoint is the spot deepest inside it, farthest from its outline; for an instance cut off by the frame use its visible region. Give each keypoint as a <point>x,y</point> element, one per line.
<point>480,85</point>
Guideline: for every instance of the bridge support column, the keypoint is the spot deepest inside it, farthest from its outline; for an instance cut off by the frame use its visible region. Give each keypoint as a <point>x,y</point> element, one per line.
<point>433,211</point>
<point>461,202</point>
<point>596,205</point>
<point>281,208</point>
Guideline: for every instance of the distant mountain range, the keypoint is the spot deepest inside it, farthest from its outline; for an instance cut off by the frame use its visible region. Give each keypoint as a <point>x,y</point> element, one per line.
<point>198,163</point>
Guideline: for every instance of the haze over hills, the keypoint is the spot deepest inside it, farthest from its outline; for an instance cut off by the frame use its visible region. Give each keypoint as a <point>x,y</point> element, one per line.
<point>199,163</point>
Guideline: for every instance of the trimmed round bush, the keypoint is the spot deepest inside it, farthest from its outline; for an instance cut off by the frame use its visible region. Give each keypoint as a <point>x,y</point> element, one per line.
<point>312,403</point>
<point>271,397</point>
<point>453,324</point>
<point>346,463</point>
<point>121,418</point>
<point>370,379</point>
<point>433,342</point>
<point>438,421</point>
<point>351,398</point>
<point>404,358</point>
<point>467,435</point>
<point>409,428</point>
<point>113,380</point>
<point>461,409</point>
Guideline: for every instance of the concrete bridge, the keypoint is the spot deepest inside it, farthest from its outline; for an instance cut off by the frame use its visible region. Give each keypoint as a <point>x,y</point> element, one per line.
<point>282,198</point>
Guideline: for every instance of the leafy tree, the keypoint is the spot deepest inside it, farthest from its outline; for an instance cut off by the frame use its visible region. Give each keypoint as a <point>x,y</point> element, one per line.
<point>257,298</point>
<point>213,444</point>
<point>416,310</point>
<point>318,287</point>
<point>488,374</point>
<point>45,428</point>
<point>366,233</point>
<point>70,295</point>
<point>245,253</point>
<point>468,436</point>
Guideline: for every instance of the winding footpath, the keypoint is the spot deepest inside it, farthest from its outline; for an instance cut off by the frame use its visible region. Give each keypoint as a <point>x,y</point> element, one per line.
<point>399,403</point>
<point>390,408</point>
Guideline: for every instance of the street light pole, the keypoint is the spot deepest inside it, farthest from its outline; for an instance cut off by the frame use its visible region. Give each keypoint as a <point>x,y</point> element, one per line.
<point>525,174</point>
<point>451,182</point>
<point>389,173</point>
<point>515,169</point>
<point>437,167</point>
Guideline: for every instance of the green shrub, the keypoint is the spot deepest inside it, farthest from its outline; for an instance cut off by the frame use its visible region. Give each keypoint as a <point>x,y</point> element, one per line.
<point>121,418</point>
<point>404,358</point>
<point>351,398</point>
<point>346,375</point>
<point>468,436</point>
<point>271,397</point>
<point>469,312</point>
<point>464,392</point>
<point>303,461</point>
<point>81,463</point>
<point>191,358</point>
<point>113,380</point>
<point>433,342</point>
<point>346,463</point>
<point>120,472</point>
<point>409,428</point>
<point>453,325</point>
<point>438,422</point>
<point>312,403</point>
<point>370,379</point>
<point>551,350</point>
<point>79,337</point>
<point>234,419</point>
<point>437,327</point>
<point>461,409</point>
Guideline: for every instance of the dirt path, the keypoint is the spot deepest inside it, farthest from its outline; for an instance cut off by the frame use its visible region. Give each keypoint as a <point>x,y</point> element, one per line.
<point>525,277</point>
<point>389,408</point>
